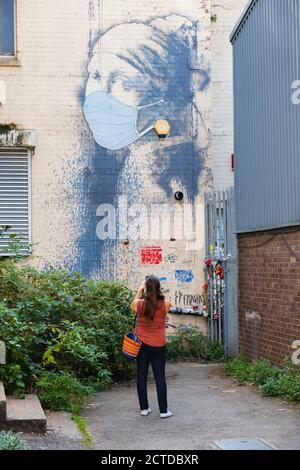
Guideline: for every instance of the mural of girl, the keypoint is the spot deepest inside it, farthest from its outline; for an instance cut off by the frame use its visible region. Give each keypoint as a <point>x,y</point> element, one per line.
<point>133,65</point>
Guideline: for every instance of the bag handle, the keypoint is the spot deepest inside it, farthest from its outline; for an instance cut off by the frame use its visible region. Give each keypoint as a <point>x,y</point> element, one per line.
<point>137,316</point>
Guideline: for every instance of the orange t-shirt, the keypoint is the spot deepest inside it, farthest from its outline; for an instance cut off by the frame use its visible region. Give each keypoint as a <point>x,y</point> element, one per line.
<point>152,332</point>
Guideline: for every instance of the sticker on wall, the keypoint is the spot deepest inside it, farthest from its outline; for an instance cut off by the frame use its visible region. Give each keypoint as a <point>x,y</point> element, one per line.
<point>171,258</point>
<point>184,275</point>
<point>151,255</point>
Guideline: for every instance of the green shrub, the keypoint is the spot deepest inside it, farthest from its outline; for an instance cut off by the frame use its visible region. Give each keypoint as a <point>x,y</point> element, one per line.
<point>82,426</point>
<point>57,321</point>
<point>61,391</point>
<point>12,441</point>
<point>289,381</point>
<point>238,367</point>
<point>262,371</point>
<point>272,380</point>
<point>271,387</point>
<point>190,344</point>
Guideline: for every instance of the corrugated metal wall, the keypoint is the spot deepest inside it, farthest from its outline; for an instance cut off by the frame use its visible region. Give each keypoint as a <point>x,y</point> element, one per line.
<point>266,50</point>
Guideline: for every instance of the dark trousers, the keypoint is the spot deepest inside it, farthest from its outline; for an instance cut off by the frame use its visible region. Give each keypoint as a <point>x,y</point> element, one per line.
<point>157,357</point>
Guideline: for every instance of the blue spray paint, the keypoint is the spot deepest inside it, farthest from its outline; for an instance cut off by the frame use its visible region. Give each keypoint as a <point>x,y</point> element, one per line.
<point>183,275</point>
<point>157,77</point>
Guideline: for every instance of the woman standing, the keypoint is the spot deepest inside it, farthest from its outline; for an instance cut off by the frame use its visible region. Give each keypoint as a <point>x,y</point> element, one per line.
<point>151,330</point>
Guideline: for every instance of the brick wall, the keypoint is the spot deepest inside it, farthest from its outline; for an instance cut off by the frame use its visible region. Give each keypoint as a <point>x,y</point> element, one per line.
<point>227,13</point>
<point>269,293</point>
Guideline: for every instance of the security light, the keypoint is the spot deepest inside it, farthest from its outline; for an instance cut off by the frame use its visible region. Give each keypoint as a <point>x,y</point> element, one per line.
<point>178,195</point>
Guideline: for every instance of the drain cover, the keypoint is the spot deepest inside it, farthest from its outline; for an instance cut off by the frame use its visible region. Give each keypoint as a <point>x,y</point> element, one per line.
<point>242,444</point>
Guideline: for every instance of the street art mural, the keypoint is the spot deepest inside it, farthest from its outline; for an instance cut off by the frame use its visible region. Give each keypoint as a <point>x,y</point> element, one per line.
<point>139,72</point>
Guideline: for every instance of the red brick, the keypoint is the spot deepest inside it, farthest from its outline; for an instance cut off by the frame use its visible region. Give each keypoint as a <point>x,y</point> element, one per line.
<point>269,284</point>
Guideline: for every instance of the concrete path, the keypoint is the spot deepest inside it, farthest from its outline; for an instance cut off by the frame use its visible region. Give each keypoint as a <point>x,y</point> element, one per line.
<point>207,406</point>
<point>62,434</point>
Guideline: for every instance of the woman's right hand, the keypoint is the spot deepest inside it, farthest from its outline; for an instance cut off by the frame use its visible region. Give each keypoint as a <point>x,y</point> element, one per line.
<point>142,286</point>
<point>140,290</point>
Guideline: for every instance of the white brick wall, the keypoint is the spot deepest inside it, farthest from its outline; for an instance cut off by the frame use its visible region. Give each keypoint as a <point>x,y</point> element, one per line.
<point>228,12</point>
<point>52,40</point>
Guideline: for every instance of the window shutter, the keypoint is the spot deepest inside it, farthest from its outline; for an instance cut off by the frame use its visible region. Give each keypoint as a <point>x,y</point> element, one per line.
<point>15,197</point>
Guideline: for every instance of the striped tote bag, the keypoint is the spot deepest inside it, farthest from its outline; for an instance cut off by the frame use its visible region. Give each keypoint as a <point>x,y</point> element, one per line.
<point>131,343</point>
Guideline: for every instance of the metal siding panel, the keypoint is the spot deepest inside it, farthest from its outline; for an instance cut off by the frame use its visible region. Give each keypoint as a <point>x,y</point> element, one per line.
<point>265,63</point>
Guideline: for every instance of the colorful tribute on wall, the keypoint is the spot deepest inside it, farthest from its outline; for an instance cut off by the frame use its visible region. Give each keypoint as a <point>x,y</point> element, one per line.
<point>151,255</point>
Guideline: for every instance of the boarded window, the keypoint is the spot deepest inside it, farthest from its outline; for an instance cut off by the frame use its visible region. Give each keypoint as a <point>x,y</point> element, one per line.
<point>7,27</point>
<point>15,198</point>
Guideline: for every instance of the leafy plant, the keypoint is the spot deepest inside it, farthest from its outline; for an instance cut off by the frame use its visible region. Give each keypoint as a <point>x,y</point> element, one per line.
<point>15,244</point>
<point>12,441</point>
<point>238,367</point>
<point>61,391</point>
<point>190,344</point>
<point>262,371</point>
<point>272,380</point>
<point>271,387</point>
<point>81,424</point>
<point>57,321</point>
<point>289,381</point>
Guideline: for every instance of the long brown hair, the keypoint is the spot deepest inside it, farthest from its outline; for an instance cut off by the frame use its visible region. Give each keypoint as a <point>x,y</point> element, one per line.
<point>152,295</point>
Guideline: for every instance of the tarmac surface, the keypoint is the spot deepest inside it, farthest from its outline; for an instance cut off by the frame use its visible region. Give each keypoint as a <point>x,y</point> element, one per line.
<point>207,406</point>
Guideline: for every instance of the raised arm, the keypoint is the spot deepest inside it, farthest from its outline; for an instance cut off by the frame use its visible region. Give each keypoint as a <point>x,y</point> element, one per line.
<point>138,296</point>
<point>139,293</point>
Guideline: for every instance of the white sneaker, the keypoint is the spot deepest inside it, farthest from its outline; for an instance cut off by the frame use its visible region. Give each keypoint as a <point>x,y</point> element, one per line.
<point>168,414</point>
<point>146,412</point>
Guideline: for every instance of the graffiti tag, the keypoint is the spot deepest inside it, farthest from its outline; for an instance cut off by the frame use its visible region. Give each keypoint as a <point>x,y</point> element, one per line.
<point>188,300</point>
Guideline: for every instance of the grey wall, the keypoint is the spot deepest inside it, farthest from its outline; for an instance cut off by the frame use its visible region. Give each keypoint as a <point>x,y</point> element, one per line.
<point>267,115</point>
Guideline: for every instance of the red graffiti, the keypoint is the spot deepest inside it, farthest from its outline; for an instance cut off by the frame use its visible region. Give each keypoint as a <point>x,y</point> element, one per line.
<point>151,255</point>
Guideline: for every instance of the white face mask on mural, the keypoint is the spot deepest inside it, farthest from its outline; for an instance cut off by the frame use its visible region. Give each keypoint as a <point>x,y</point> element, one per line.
<point>112,122</point>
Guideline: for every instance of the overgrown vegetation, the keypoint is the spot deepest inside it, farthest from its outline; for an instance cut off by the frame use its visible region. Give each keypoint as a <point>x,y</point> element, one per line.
<point>191,345</point>
<point>12,441</point>
<point>272,380</point>
<point>81,424</point>
<point>63,333</point>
